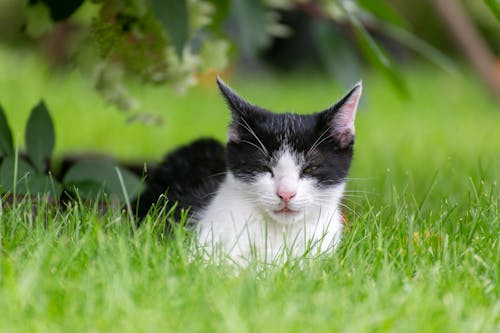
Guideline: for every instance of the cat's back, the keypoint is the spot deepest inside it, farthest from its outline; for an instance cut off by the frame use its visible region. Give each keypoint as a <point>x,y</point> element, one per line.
<point>190,176</point>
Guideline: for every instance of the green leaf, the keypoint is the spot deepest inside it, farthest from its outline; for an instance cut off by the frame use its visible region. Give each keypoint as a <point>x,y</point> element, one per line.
<point>221,12</point>
<point>28,181</point>
<point>37,183</point>
<point>494,6</point>
<point>6,145</point>
<point>251,18</point>
<point>173,15</point>
<point>87,189</point>
<point>39,136</point>
<point>12,179</point>
<point>420,46</point>
<point>335,52</point>
<point>376,56</point>
<point>38,19</point>
<point>384,11</point>
<point>103,174</point>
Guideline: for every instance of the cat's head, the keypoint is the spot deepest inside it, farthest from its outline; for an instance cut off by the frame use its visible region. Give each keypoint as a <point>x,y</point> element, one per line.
<point>289,164</point>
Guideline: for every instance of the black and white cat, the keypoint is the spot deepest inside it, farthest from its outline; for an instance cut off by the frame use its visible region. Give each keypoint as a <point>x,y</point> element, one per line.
<point>274,189</point>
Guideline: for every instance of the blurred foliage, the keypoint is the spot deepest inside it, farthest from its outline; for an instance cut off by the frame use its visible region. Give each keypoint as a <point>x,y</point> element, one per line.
<point>486,15</point>
<point>419,15</point>
<point>30,174</point>
<point>176,41</point>
<point>494,6</point>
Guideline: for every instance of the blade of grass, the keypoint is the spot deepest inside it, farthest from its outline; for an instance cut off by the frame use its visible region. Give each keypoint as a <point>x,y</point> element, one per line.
<point>125,195</point>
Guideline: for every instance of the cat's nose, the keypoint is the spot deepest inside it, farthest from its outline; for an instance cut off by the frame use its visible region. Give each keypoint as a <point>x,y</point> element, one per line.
<point>286,196</point>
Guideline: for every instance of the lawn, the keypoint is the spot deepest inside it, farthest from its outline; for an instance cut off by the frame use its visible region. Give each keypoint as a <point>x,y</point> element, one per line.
<point>420,254</point>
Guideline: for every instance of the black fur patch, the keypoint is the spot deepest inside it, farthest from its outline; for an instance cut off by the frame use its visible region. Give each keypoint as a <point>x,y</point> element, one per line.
<point>189,176</point>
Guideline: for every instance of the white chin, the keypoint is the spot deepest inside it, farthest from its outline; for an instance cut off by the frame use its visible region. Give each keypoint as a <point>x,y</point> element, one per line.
<point>287,216</point>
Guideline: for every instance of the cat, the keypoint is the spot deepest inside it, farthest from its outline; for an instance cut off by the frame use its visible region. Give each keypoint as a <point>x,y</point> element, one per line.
<point>273,191</point>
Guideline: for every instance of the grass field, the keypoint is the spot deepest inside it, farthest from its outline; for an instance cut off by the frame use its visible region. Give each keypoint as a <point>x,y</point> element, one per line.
<point>421,252</point>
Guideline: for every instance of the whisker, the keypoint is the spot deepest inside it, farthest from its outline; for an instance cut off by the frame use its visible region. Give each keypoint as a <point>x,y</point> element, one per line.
<point>348,208</point>
<point>223,173</point>
<point>246,126</point>
<point>358,191</point>
<point>352,203</point>
<point>318,141</point>
<point>253,144</point>
<point>353,196</point>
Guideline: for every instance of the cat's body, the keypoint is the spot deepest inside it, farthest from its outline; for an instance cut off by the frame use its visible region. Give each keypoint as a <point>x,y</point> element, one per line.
<point>277,192</point>
<point>189,177</point>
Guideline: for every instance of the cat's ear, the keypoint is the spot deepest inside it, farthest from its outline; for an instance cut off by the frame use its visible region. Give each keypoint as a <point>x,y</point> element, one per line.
<point>236,103</point>
<point>340,117</point>
<point>240,109</point>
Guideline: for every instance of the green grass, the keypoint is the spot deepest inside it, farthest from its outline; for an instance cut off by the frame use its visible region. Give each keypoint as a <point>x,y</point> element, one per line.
<point>420,254</point>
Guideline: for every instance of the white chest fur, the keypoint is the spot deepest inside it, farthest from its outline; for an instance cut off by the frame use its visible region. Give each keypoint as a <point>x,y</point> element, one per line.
<point>238,226</point>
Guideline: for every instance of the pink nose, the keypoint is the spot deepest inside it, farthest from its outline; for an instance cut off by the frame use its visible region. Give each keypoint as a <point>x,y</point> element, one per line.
<point>285,195</point>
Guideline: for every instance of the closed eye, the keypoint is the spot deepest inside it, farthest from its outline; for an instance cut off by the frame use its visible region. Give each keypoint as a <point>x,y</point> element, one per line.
<point>265,168</point>
<point>309,170</point>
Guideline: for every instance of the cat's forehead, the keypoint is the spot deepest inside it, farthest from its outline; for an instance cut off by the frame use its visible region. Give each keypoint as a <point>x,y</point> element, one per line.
<point>287,131</point>
<point>288,156</point>
<point>288,123</point>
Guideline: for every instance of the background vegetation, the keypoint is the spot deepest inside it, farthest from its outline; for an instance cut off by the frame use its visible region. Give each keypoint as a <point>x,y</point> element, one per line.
<point>420,252</point>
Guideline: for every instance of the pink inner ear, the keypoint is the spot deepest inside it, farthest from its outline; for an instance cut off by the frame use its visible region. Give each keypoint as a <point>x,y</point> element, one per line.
<point>344,118</point>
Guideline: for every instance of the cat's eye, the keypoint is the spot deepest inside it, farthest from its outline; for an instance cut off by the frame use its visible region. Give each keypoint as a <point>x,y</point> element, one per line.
<point>309,170</point>
<point>265,168</point>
